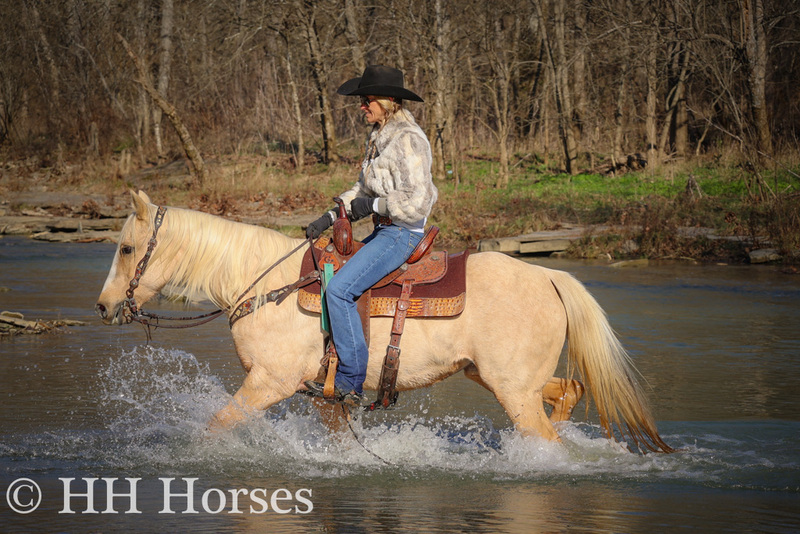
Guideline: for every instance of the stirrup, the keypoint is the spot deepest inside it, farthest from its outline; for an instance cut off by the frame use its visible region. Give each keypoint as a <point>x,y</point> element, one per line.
<point>317,389</point>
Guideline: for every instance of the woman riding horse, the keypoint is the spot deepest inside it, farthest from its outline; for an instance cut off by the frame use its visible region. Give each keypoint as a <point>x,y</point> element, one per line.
<point>395,186</point>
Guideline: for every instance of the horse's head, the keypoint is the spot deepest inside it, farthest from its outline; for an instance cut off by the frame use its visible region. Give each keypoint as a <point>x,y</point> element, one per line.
<point>132,247</point>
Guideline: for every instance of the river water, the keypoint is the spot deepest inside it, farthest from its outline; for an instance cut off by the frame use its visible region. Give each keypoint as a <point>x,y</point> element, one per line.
<point>718,345</point>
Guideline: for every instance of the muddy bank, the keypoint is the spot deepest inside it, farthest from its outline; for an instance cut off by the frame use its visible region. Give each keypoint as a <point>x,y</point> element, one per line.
<point>86,218</point>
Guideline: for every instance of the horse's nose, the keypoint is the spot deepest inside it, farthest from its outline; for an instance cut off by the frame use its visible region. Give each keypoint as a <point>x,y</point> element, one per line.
<point>100,310</point>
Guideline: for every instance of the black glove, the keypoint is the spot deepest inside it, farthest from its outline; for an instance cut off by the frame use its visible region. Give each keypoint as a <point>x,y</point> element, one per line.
<point>361,207</point>
<point>315,229</point>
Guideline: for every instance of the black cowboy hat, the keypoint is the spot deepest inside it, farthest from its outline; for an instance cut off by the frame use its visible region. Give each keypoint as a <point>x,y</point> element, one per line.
<point>378,80</point>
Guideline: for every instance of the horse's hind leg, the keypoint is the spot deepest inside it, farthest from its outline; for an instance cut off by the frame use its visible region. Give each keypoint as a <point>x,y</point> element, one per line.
<point>562,394</point>
<point>526,411</point>
<point>525,408</point>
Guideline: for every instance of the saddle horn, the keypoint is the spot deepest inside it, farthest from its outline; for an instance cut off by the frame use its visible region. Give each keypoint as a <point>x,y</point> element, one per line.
<point>342,231</point>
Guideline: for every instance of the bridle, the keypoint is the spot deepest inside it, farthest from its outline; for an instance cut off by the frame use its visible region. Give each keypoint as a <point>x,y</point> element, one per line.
<point>131,311</point>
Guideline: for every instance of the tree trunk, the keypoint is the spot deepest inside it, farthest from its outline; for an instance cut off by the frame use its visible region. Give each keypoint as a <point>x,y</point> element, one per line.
<point>503,58</point>
<point>298,115</point>
<point>579,75</point>
<point>473,102</point>
<point>756,50</point>
<point>620,112</point>
<point>200,170</point>
<point>675,128</point>
<point>354,35</point>
<point>164,63</point>
<point>558,62</point>
<point>320,75</point>
<point>680,134</point>
<point>651,69</point>
<point>143,112</point>
<point>442,77</point>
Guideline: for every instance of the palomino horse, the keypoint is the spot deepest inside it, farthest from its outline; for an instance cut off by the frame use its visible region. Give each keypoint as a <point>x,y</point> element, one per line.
<point>508,338</point>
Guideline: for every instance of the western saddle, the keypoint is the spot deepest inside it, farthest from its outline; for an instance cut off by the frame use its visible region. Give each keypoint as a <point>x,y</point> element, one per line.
<point>429,284</point>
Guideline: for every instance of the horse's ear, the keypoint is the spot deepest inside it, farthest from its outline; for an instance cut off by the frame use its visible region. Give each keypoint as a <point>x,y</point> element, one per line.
<point>140,202</point>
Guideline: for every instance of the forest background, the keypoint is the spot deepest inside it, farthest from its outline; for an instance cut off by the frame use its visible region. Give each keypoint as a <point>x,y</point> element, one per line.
<point>646,114</point>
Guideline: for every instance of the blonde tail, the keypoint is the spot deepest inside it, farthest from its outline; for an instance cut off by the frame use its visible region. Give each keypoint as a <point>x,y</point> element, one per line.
<point>604,366</point>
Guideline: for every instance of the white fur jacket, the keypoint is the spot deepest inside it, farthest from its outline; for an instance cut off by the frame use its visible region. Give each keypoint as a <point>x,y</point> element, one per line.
<point>398,171</point>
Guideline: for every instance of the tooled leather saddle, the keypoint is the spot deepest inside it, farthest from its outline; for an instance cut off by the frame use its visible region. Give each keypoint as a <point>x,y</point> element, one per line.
<point>429,284</point>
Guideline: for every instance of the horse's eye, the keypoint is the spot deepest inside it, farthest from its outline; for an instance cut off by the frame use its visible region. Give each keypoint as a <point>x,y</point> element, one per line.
<point>126,249</point>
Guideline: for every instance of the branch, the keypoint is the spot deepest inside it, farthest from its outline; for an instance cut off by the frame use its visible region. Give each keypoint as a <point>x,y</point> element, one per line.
<point>200,170</point>
<point>742,142</point>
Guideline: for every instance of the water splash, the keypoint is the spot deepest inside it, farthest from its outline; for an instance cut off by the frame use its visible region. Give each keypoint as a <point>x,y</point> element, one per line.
<point>156,403</point>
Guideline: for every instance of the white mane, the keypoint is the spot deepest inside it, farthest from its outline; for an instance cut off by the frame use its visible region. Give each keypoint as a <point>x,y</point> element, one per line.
<point>218,258</point>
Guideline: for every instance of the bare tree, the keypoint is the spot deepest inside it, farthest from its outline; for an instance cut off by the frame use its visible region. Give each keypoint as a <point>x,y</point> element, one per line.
<point>298,112</point>
<point>200,170</point>
<point>755,39</point>
<point>353,34</point>
<point>601,76</point>
<point>652,46</point>
<point>165,60</point>
<point>621,102</point>
<point>555,43</point>
<point>501,49</point>
<point>307,14</point>
<point>443,73</point>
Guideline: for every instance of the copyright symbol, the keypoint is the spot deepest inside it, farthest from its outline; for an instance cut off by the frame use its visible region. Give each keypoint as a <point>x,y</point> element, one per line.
<point>24,496</point>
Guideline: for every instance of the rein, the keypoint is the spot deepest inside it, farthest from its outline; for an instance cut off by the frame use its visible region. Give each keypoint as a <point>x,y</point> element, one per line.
<point>131,311</point>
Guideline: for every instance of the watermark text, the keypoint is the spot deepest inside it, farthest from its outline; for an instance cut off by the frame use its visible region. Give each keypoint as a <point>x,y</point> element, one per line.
<point>185,495</point>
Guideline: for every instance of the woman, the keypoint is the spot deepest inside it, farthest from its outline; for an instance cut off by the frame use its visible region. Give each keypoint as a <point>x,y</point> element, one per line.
<point>395,184</point>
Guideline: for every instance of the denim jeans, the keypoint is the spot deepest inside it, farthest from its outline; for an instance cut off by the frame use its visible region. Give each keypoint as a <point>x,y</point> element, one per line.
<point>384,251</point>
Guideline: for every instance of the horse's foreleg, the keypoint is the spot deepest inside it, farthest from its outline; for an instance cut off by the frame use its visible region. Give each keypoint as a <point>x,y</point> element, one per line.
<point>562,394</point>
<point>251,399</point>
<point>333,416</point>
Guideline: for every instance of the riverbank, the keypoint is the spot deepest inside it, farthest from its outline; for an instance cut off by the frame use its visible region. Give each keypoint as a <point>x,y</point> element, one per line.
<point>704,215</point>
<point>82,218</point>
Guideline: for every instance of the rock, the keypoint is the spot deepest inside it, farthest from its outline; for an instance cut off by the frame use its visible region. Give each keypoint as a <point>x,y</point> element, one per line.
<point>631,263</point>
<point>65,224</point>
<point>78,237</point>
<point>630,247</point>
<point>13,323</point>
<point>764,255</point>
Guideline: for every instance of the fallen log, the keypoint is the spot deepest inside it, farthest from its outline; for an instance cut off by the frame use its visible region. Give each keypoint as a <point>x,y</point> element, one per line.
<point>13,323</point>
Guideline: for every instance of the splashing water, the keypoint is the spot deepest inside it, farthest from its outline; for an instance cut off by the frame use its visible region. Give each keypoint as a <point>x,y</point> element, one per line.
<point>155,404</point>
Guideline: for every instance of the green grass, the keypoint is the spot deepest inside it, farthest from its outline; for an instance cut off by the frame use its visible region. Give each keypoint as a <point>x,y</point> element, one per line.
<point>653,207</point>
<point>651,204</point>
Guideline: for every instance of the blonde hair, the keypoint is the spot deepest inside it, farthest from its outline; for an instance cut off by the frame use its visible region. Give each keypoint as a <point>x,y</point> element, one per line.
<point>392,107</point>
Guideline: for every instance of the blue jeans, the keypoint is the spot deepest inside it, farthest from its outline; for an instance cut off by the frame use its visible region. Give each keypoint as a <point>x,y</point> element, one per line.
<point>386,249</point>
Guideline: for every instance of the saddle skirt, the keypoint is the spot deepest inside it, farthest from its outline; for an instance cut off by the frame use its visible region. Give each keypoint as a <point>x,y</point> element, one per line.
<point>439,283</point>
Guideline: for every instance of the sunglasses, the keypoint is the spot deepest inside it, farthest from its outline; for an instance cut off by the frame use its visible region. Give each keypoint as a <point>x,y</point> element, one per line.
<point>366,101</point>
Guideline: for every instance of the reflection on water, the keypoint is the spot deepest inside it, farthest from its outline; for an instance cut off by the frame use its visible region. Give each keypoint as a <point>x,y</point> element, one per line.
<point>717,345</point>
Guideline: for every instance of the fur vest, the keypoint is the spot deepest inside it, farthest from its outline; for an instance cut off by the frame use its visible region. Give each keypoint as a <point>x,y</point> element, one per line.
<point>397,169</point>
